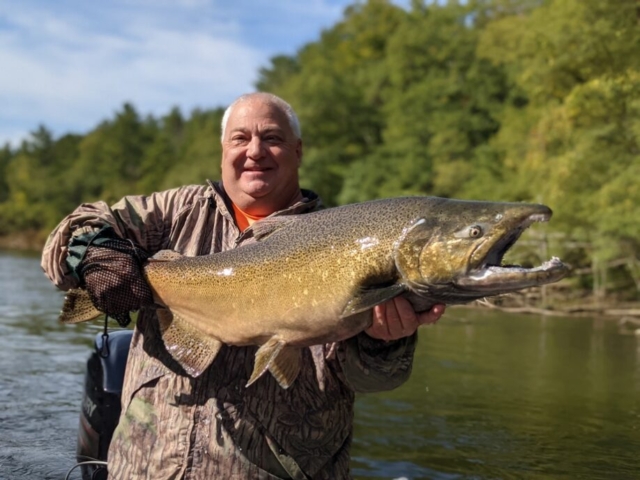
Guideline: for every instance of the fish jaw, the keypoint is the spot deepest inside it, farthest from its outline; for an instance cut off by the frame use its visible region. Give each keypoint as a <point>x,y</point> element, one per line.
<point>487,276</point>
<point>504,233</point>
<point>495,279</point>
<point>460,264</point>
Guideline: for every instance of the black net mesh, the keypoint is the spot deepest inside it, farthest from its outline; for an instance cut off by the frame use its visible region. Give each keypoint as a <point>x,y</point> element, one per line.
<point>112,274</point>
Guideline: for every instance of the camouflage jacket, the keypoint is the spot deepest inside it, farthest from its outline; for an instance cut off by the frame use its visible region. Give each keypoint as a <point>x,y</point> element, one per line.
<point>173,426</point>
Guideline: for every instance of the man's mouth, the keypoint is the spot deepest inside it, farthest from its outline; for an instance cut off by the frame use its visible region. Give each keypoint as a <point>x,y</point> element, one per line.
<point>256,169</point>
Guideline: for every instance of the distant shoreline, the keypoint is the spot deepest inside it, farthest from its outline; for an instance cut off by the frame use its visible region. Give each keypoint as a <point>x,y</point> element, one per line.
<point>31,241</point>
<point>626,313</point>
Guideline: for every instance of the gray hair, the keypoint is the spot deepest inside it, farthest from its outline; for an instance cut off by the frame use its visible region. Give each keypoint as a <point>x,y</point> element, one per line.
<point>270,99</point>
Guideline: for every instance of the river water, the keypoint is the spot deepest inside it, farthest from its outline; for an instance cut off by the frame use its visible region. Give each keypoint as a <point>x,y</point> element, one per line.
<point>492,396</point>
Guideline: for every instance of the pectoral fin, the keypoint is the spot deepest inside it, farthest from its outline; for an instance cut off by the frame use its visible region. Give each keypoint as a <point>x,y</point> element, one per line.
<point>283,362</point>
<point>370,297</point>
<point>78,307</point>
<point>193,350</point>
<point>320,363</point>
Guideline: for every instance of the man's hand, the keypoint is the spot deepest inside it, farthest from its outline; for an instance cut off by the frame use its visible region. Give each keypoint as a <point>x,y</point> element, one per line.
<point>396,319</point>
<point>113,278</point>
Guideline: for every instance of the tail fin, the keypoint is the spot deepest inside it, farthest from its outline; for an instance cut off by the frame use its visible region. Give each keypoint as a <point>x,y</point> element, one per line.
<point>78,307</point>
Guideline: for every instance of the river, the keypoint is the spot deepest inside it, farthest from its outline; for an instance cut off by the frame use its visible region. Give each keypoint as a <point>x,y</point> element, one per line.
<point>492,396</point>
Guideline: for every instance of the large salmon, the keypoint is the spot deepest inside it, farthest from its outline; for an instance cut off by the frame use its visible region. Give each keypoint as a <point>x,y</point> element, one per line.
<point>314,278</point>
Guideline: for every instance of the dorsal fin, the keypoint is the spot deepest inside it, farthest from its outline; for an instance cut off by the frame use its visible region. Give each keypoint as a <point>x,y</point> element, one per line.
<point>268,226</point>
<point>193,350</point>
<point>166,256</point>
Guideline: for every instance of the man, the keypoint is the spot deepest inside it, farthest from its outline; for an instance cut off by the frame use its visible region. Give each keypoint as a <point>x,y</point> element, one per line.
<point>174,426</point>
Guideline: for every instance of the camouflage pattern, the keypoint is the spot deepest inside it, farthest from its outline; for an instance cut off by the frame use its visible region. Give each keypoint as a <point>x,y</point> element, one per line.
<point>176,427</point>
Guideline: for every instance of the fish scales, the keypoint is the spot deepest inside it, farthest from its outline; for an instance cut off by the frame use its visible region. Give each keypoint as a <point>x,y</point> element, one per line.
<point>289,285</point>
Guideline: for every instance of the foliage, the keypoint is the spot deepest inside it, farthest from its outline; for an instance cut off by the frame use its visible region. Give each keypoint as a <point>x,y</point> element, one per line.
<point>575,144</point>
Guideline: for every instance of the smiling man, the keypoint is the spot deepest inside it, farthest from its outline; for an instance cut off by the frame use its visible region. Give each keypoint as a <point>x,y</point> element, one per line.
<point>177,427</point>
<point>261,155</point>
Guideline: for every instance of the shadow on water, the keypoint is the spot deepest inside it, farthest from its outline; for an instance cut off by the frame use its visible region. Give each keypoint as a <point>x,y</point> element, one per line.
<point>491,395</point>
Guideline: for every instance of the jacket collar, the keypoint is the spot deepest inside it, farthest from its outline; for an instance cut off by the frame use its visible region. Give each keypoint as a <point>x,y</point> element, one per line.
<point>310,202</point>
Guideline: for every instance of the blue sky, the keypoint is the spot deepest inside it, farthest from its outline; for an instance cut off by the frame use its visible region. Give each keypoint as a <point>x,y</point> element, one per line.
<point>69,64</point>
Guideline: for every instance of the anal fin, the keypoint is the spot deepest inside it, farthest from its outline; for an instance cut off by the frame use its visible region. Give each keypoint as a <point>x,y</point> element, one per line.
<point>193,350</point>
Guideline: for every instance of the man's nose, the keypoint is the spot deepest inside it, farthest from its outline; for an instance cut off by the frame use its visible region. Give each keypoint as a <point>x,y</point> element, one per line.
<point>255,149</point>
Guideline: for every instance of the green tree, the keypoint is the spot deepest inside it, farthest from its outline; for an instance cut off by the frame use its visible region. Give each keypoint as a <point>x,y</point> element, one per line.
<point>335,85</point>
<point>199,151</point>
<point>111,157</point>
<point>6,155</point>
<point>574,144</point>
<point>161,155</point>
<point>440,103</point>
<point>34,177</point>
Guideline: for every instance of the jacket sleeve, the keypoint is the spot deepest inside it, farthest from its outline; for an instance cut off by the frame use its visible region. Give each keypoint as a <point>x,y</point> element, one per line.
<point>146,220</point>
<point>372,365</point>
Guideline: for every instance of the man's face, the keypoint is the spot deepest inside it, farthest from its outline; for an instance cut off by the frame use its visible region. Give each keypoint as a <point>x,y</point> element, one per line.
<point>260,158</point>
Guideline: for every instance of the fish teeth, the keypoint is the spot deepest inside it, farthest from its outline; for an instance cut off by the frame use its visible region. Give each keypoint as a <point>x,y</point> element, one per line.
<point>553,261</point>
<point>539,217</point>
<point>533,218</point>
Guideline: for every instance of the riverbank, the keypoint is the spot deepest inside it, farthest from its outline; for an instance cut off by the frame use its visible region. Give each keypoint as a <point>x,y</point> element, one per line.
<point>606,308</point>
<point>29,241</point>
<point>563,300</point>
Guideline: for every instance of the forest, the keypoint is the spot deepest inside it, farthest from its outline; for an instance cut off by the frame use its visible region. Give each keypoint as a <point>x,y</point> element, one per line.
<point>513,100</point>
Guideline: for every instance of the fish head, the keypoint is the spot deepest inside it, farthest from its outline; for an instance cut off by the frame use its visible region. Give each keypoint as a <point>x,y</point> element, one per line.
<point>457,252</point>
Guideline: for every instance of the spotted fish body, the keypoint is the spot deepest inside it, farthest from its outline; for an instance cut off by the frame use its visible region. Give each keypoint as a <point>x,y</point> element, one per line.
<point>314,278</point>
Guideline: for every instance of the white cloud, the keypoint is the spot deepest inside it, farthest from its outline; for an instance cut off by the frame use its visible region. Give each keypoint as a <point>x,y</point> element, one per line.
<point>64,73</point>
<point>70,64</point>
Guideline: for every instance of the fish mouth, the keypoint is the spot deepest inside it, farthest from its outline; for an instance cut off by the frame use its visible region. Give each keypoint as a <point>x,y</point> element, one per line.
<point>492,276</point>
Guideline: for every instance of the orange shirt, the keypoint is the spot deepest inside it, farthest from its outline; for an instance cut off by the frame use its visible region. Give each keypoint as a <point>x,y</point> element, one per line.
<point>243,219</point>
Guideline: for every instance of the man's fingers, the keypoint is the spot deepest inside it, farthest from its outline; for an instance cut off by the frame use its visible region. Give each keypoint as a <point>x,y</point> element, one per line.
<point>406,318</point>
<point>379,328</point>
<point>405,311</point>
<point>431,316</point>
<point>397,319</point>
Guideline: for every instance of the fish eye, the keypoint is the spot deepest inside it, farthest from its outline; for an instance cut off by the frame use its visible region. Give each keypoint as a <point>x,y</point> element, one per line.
<point>475,231</point>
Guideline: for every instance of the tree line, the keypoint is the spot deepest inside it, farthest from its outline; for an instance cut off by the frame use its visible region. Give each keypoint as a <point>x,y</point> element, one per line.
<point>516,100</point>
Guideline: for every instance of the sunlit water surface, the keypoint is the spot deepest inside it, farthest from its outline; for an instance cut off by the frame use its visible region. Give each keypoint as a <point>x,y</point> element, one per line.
<point>491,396</point>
